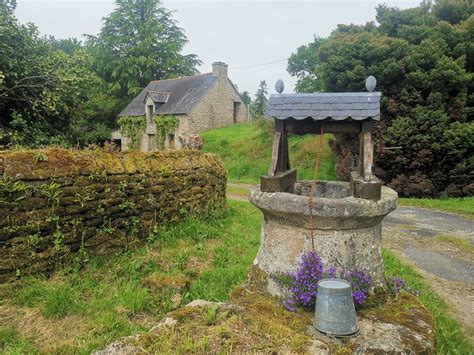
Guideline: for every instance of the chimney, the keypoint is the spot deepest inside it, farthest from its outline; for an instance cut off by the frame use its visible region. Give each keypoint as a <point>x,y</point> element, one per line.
<point>219,69</point>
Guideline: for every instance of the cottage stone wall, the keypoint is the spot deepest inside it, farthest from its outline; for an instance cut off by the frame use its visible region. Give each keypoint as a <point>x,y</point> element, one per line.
<point>217,108</point>
<point>58,205</point>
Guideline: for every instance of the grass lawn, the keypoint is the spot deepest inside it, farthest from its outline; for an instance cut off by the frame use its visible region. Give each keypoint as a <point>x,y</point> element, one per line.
<point>246,150</point>
<point>78,310</point>
<point>461,205</point>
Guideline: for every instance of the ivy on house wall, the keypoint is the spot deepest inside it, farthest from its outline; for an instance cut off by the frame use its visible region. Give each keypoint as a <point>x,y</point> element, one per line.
<point>164,124</point>
<point>133,127</point>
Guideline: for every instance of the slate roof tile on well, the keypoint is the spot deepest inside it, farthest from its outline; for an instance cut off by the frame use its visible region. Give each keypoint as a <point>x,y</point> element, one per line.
<point>320,106</point>
<point>184,94</point>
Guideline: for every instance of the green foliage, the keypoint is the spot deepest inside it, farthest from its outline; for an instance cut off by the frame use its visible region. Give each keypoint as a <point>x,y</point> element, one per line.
<point>304,65</point>
<point>41,90</point>
<point>133,127</point>
<point>164,125</point>
<point>94,119</point>
<point>221,257</point>
<point>133,297</point>
<point>58,237</point>
<point>422,59</point>
<point>67,45</point>
<point>139,42</point>
<point>82,199</point>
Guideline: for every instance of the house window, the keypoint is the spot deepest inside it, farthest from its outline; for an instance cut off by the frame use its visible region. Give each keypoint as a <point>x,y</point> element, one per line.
<point>149,113</point>
<point>236,111</point>
<point>171,143</point>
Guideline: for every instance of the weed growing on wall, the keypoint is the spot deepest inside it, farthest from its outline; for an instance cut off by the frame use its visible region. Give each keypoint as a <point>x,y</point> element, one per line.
<point>52,193</point>
<point>133,128</point>
<point>9,186</point>
<point>164,124</point>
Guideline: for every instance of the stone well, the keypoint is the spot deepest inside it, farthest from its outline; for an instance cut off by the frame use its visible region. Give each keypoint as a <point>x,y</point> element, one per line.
<point>348,230</point>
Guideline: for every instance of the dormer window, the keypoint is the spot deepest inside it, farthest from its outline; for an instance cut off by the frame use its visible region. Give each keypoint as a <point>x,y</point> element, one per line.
<point>149,113</point>
<point>153,101</point>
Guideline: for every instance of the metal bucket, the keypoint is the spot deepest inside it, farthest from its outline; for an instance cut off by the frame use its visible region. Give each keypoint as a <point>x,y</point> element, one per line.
<point>335,311</point>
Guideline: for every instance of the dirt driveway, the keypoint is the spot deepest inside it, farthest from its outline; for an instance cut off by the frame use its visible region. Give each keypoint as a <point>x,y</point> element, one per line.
<point>439,245</point>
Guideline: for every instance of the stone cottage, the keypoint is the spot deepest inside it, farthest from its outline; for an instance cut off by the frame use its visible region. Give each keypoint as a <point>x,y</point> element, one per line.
<point>199,102</point>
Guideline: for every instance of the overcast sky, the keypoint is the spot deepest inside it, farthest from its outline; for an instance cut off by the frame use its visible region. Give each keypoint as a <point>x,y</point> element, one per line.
<point>241,33</point>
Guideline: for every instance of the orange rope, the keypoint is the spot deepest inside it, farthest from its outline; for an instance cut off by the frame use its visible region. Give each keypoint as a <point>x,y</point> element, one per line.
<point>313,186</point>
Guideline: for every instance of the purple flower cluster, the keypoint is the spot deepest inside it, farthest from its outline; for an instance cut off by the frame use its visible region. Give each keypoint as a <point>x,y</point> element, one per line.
<point>397,284</point>
<point>361,283</point>
<point>303,284</point>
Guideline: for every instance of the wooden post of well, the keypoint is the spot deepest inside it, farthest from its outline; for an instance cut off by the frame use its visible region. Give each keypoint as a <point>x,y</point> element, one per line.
<point>280,177</point>
<point>366,154</point>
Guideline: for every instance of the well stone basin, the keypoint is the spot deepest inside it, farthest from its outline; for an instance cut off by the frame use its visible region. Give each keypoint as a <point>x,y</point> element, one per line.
<point>348,230</point>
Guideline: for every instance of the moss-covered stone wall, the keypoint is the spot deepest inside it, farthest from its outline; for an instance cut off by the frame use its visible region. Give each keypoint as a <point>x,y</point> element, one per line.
<point>58,205</point>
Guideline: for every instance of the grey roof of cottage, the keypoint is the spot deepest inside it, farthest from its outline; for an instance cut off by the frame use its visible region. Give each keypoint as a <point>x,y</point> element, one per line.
<point>320,106</point>
<point>184,94</point>
<point>157,96</point>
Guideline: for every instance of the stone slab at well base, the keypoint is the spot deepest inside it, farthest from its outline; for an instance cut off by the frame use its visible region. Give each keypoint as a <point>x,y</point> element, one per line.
<point>255,322</point>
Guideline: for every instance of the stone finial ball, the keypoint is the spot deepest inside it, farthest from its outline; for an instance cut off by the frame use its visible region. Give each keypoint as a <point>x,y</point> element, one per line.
<point>370,83</point>
<point>279,86</point>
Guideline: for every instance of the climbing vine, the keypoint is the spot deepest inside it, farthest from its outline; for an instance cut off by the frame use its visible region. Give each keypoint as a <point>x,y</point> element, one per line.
<point>164,124</point>
<point>133,128</point>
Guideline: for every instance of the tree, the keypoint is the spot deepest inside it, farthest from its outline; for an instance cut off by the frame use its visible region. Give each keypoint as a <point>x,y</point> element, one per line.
<point>40,86</point>
<point>260,103</point>
<point>246,98</point>
<point>139,42</point>
<point>423,61</point>
<point>305,66</point>
<point>68,45</point>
